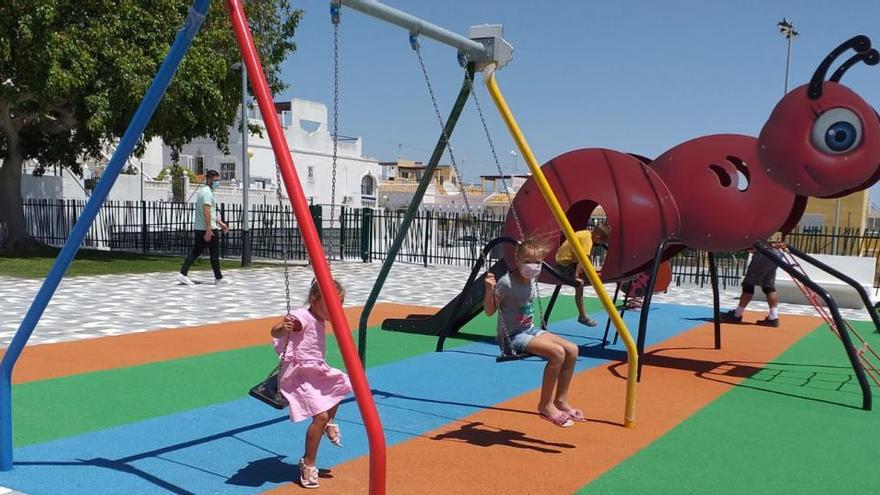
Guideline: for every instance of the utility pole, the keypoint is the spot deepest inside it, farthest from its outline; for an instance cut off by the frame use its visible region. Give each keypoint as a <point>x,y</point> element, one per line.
<point>245,174</point>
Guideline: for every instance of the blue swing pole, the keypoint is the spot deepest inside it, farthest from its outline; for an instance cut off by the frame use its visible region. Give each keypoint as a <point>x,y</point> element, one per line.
<point>135,129</point>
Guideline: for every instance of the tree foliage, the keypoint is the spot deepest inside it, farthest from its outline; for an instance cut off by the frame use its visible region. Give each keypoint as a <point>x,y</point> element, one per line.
<point>72,73</point>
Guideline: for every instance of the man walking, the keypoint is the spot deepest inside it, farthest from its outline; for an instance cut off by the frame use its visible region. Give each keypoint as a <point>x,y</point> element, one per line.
<point>761,273</point>
<point>206,230</point>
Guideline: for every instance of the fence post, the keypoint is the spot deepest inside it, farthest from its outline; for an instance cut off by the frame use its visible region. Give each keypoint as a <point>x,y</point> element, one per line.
<point>66,224</point>
<point>366,233</point>
<point>144,227</point>
<point>317,216</point>
<point>341,232</point>
<point>427,235</point>
<point>223,237</point>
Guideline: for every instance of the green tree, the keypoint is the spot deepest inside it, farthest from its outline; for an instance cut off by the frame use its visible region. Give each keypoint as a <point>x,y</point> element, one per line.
<point>72,73</point>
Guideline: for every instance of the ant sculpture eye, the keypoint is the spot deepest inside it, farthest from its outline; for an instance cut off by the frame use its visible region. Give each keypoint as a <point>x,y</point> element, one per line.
<point>837,131</point>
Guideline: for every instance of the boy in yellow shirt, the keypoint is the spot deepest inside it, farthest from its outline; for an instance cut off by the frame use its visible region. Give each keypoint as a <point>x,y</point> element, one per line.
<point>567,264</point>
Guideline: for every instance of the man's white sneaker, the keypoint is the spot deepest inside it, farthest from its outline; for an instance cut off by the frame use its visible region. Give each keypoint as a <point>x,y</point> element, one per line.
<point>183,279</point>
<point>222,281</point>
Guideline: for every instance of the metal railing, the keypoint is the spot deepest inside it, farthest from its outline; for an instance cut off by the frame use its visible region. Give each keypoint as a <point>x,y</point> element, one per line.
<point>435,238</point>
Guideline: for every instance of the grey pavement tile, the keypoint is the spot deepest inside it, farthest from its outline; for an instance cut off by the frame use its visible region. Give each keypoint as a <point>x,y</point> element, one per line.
<point>86,307</point>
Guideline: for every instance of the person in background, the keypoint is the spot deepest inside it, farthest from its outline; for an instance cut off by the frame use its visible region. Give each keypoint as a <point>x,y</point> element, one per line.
<point>206,231</point>
<point>760,272</point>
<point>568,266</point>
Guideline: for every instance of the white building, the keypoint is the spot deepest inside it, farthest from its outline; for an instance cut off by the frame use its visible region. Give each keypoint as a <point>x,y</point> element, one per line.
<point>308,137</point>
<point>311,144</point>
<point>401,178</point>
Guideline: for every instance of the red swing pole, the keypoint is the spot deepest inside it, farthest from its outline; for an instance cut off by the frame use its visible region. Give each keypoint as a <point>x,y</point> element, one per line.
<point>315,250</point>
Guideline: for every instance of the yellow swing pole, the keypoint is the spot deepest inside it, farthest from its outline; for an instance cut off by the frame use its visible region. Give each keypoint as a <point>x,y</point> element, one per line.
<point>629,418</point>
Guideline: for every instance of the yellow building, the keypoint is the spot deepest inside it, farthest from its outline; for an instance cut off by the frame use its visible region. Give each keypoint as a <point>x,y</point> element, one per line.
<point>847,212</point>
<point>445,174</point>
<point>412,171</point>
<point>401,179</point>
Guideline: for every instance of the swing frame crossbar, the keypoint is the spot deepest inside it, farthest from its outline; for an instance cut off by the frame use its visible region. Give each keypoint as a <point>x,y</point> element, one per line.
<point>139,121</point>
<point>484,46</point>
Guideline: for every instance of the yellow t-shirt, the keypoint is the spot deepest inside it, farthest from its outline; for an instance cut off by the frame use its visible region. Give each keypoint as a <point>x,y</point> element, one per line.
<point>565,254</point>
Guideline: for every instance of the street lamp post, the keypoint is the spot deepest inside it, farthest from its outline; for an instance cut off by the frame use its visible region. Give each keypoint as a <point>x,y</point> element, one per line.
<point>514,155</point>
<point>245,173</point>
<point>788,30</point>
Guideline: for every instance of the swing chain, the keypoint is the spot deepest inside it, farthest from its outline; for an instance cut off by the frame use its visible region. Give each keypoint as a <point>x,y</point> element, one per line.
<point>334,13</point>
<point>506,190</point>
<point>414,43</point>
<point>284,217</point>
<point>413,38</point>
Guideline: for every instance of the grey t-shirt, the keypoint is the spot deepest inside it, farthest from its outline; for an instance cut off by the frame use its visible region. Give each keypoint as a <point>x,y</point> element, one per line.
<point>515,307</point>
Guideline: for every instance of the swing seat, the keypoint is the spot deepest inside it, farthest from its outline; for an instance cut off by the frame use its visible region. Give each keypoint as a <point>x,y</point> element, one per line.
<point>513,357</point>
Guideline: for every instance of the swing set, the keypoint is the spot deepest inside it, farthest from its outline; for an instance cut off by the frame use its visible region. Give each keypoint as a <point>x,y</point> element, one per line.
<point>484,50</point>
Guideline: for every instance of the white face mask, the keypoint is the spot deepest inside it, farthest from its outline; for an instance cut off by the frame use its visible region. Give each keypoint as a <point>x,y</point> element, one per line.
<point>530,270</point>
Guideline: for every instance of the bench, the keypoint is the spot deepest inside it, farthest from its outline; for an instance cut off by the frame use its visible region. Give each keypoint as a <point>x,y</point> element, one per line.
<point>860,268</point>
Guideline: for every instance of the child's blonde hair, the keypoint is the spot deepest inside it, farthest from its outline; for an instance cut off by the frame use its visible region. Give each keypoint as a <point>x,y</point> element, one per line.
<point>315,291</point>
<point>534,244</point>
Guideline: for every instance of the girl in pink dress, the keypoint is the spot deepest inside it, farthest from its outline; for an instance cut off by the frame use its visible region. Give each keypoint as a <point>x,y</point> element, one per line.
<point>312,388</point>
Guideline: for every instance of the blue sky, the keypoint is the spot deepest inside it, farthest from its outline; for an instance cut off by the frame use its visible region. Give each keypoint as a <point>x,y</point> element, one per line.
<point>638,77</point>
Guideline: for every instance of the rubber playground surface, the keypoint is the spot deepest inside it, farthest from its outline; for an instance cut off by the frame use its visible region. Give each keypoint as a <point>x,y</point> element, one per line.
<point>773,411</point>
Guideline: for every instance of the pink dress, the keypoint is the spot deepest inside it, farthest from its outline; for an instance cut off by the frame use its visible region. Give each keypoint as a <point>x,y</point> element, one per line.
<point>308,383</point>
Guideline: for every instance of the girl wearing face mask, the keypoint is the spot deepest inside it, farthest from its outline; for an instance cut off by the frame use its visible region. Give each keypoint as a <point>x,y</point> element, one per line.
<point>512,296</point>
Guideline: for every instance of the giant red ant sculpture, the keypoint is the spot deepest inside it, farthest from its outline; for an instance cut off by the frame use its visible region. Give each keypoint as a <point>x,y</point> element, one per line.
<point>722,192</point>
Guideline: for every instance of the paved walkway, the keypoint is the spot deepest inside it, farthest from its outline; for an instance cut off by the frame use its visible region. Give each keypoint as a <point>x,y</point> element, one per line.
<point>87,307</point>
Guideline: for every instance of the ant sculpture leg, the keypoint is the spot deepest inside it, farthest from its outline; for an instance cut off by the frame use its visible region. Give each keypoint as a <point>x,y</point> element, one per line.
<point>546,315</point>
<point>623,307</point>
<point>716,311</point>
<point>842,329</point>
<point>608,322</point>
<point>866,300</point>
<point>646,303</point>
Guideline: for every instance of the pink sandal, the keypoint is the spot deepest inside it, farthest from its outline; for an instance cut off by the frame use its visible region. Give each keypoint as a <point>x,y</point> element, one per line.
<point>559,419</point>
<point>336,438</point>
<point>575,414</point>
<point>308,475</point>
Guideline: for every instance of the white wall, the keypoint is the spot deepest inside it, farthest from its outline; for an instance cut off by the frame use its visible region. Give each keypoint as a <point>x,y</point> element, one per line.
<point>311,146</point>
<point>126,188</point>
<point>46,187</point>
<point>153,158</point>
<point>310,134</point>
<point>65,186</point>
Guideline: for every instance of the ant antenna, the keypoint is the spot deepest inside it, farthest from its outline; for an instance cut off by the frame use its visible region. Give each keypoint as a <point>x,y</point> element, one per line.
<point>870,57</point>
<point>860,44</point>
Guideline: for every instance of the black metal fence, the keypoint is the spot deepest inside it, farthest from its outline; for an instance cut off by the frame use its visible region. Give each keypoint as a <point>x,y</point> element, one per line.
<point>691,267</point>
<point>347,233</point>
<point>434,238</point>
<point>843,241</point>
<point>163,228</point>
